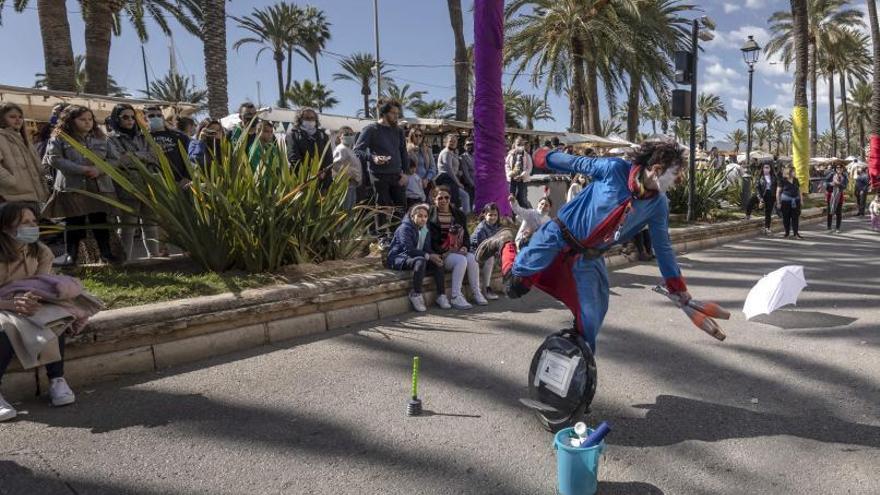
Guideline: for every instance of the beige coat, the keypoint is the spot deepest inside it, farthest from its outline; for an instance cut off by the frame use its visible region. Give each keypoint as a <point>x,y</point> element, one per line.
<point>21,178</point>
<point>27,266</point>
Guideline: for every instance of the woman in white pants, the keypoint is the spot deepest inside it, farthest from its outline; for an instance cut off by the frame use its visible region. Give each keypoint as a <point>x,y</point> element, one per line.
<point>450,239</point>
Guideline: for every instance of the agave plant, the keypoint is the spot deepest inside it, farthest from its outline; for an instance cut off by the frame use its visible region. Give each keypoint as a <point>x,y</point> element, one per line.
<point>233,216</point>
<point>709,193</point>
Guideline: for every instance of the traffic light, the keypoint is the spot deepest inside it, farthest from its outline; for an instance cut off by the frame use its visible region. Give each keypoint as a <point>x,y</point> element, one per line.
<point>681,103</point>
<point>684,67</point>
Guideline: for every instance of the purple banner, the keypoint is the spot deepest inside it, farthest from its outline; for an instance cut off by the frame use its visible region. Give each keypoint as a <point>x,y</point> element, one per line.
<point>489,145</point>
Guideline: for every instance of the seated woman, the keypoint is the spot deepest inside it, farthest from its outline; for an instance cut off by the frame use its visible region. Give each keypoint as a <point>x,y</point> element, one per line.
<point>411,250</point>
<point>450,239</point>
<point>22,256</point>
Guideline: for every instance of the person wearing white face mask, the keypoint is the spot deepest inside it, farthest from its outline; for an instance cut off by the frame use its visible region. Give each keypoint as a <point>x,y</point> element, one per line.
<point>345,162</point>
<point>307,138</point>
<point>23,256</point>
<point>170,140</point>
<point>565,257</point>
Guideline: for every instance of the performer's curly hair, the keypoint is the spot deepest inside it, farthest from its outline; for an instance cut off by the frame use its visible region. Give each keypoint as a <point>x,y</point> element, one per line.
<point>652,152</point>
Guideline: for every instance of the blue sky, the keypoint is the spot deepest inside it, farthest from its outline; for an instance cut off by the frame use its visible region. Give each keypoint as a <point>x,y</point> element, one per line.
<point>412,32</point>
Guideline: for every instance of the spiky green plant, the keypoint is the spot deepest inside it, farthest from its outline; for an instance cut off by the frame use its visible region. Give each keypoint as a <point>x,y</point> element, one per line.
<point>233,216</point>
<point>709,188</point>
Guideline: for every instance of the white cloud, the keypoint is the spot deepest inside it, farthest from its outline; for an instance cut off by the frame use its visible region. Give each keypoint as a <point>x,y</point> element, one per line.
<point>718,70</point>
<point>737,37</point>
<point>738,104</point>
<point>729,7</point>
<point>755,4</point>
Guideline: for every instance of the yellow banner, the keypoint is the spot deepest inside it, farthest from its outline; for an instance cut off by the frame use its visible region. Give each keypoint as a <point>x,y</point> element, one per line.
<point>800,139</point>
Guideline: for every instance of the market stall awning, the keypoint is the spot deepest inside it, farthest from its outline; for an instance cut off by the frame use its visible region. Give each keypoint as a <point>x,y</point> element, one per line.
<point>37,104</point>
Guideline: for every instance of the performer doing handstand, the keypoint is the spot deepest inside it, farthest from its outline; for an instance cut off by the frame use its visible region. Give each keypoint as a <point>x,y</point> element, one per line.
<point>564,257</point>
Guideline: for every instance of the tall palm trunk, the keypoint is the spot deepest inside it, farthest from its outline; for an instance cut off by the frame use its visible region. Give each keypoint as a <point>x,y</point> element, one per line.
<point>814,96</point>
<point>833,125</point>
<point>594,124</point>
<point>461,60</point>
<point>874,160</point>
<point>847,144</point>
<point>214,47</point>
<point>279,67</point>
<point>365,90</point>
<point>577,85</point>
<point>862,139</point>
<point>800,122</point>
<point>315,63</point>
<point>289,68</point>
<point>632,114</point>
<point>57,48</point>
<point>98,17</point>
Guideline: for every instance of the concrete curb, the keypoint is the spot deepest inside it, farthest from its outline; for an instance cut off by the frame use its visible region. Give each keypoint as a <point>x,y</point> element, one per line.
<point>155,336</point>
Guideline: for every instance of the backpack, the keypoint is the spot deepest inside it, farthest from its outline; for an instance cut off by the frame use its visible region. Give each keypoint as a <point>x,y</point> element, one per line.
<point>562,380</point>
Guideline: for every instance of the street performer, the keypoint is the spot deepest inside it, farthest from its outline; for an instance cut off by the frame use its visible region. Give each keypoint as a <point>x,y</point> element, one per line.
<point>564,258</point>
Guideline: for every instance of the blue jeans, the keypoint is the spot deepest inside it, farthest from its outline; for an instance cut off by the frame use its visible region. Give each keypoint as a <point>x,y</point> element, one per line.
<point>53,370</point>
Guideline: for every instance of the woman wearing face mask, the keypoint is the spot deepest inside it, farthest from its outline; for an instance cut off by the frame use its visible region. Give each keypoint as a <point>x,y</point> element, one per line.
<point>790,199</point>
<point>305,139</point>
<point>411,250</point>
<point>347,164</point>
<point>624,196</point>
<point>206,148</point>
<point>21,257</point>
<point>131,146</point>
<point>75,171</point>
<point>766,189</point>
<point>21,176</point>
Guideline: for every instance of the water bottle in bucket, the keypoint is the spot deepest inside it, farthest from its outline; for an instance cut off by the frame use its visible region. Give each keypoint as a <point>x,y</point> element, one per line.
<point>577,468</point>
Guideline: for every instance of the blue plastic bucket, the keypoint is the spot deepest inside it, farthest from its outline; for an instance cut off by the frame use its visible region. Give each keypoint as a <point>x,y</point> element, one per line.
<point>577,469</point>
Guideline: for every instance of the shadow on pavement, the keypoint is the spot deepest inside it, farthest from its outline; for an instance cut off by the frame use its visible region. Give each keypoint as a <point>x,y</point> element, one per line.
<point>793,319</point>
<point>627,488</point>
<point>17,479</point>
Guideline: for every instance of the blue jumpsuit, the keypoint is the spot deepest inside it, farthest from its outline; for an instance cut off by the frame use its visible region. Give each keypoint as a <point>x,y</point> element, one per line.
<point>605,213</point>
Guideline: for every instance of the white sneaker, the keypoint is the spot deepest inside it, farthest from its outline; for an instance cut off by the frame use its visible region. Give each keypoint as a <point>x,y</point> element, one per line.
<point>479,299</point>
<point>490,294</point>
<point>459,302</point>
<point>418,302</point>
<point>837,231</point>
<point>7,412</point>
<point>443,302</point>
<point>60,392</point>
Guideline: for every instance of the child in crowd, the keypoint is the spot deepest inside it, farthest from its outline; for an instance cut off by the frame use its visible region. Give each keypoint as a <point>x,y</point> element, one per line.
<point>411,250</point>
<point>488,227</point>
<point>532,218</point>
<point>415,193</point>
<point>578,183</point>
<point>875,213</point>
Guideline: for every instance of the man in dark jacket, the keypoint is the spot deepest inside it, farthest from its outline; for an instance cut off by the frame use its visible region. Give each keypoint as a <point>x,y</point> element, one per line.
<point>171,141</point>
<point>862,186</point>
<point>307,138</point>
<point>382,146</point>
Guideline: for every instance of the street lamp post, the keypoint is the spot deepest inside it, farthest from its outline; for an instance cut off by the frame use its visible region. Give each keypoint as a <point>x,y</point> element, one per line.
<point>750,50</point>
<point>378,66</point>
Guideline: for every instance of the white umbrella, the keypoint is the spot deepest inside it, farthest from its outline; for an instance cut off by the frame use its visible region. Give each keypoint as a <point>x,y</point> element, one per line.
<point>775,290</point>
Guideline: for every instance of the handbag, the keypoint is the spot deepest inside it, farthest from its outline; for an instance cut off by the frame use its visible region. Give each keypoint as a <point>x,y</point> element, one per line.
<point>454,239</point>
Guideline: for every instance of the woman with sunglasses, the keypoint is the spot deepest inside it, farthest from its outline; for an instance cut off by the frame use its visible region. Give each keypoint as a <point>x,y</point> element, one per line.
<point>450,239</point>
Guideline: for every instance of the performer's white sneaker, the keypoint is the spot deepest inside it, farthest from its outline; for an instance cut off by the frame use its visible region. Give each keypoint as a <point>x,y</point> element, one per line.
<point>479,299</point>
<point>7,412</point>
<point>443,302</point>
<point>418,302</point>
<point>60,392</point>
<point>459,302</point>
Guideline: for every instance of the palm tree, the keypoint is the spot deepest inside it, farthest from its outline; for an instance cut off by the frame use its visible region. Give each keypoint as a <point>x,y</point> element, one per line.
<point>311,95</point>
<point>848,56</point>
<point>610,127</point>
<point>780,129</point>
<point>275,28</point>
<point>532,109</point>
<point>434,109</point>
<point>737,138</point>
<point>462,70</point>
<point>875,99</point>
<point>799,51</point>
<point>176,88</point>
<point>57,46</point>
<point>214,51</point>
<point>314,35</point>
<point>359,68</point>
<point>408,99</point>
<point>861,97</point>
<point>79,63</point>
<point>710,105</point>
<point>681,129</point>
<point>762,135</point>
<point>103,18</point>
<point>825,18</point>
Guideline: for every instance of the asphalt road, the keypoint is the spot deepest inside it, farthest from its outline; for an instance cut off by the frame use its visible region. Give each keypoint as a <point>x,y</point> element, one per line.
<point>788,405</point>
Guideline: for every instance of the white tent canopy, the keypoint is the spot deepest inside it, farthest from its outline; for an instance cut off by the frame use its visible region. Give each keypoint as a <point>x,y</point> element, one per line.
<point>761,156</point>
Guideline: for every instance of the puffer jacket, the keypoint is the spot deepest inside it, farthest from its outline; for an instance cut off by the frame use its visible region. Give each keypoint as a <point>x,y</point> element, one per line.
<point>405,243</point>
<point>21,178</point>
<point>483,232</point>
<point>69,163</point>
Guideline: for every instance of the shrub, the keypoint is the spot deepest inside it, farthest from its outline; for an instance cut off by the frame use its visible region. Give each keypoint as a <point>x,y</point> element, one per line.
<point>709,188</point>
<point>234,216</point>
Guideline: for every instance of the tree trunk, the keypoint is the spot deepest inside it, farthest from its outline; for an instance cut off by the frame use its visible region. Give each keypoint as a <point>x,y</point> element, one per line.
<point>289,69</point>
<point>800,138</point>
<point>705,140</point>
<point>317,75</point>
<point>632,111</point>
<point>875,38</point>
<point>365,90</point>
<point>862,140</point>
<point>214,46</point>
<point>814,99</point>
<point>577,85</point>
<point>461,60</point>
<point>833,125</point>
<point>843,106</point>
<point>594,119</point>
<point>279,67</point>
<point>98,18</point>
<point>57,48</point>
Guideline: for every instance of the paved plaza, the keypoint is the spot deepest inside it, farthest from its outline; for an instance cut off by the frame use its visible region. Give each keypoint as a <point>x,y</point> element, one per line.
<point>788,404</point>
